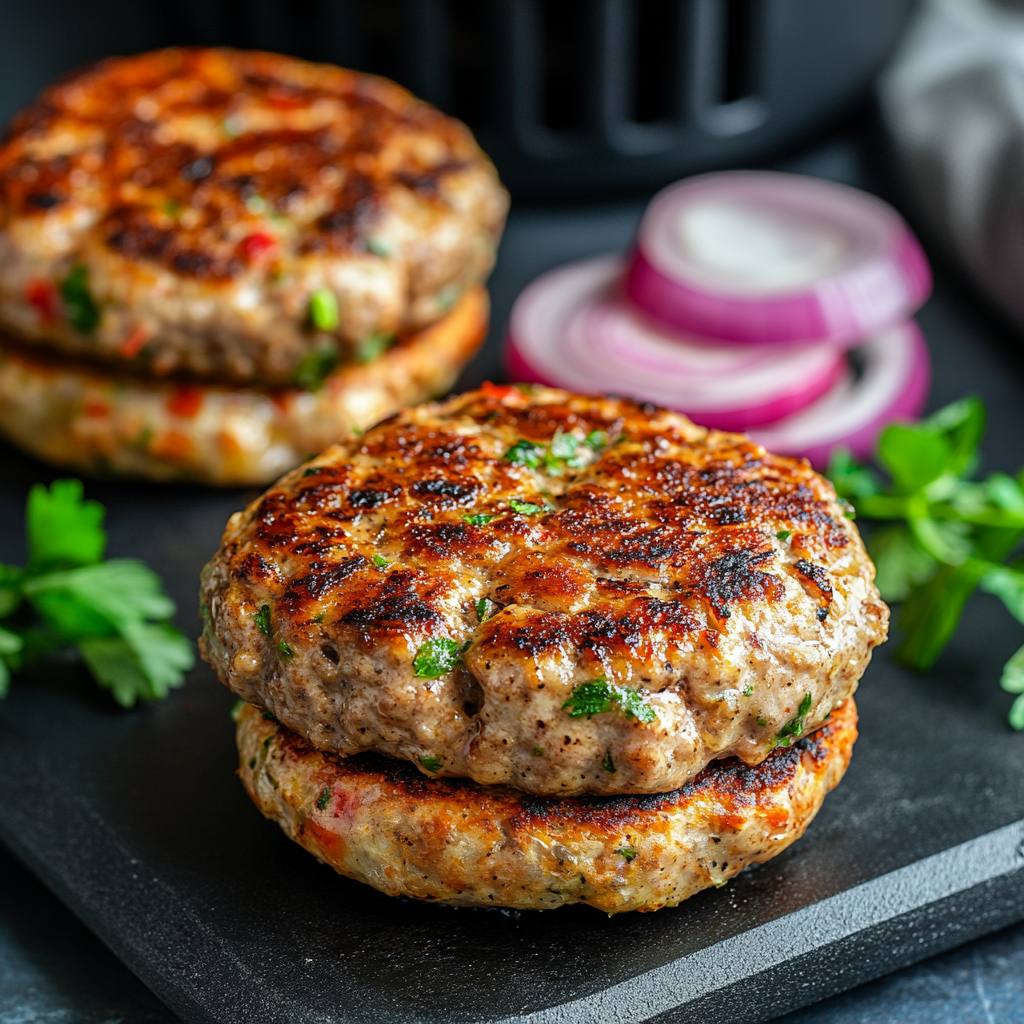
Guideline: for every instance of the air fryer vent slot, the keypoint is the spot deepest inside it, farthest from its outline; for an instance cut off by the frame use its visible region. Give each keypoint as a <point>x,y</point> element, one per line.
<point>656,60</point>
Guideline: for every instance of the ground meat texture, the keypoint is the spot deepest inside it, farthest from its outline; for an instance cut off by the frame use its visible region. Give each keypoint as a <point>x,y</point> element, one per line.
<point>181,211</point>
<point>456,842</point>
<point>106,422</point>
<point>468,589</point>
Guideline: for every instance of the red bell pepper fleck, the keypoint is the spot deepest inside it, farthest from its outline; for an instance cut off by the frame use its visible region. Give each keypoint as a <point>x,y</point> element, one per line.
<point>132,345</point>
<point>257,245</point>
<point>501,392</point>
<point>43,295</point>
<point>185,402</point>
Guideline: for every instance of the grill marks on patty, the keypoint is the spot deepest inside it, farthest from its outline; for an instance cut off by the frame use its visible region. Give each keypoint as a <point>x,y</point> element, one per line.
<point>652,562</point>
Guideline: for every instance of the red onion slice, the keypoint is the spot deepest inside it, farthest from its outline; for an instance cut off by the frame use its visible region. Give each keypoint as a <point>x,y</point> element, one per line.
<point>893,386</point>
<point>569,329</point>
<point>761,257</point>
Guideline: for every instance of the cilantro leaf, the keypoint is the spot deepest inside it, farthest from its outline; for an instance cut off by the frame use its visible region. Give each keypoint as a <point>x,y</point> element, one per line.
<point>146,664</point>
<point>525,453</point>
<point>900,563</point>
<point>600,696</point>
<point>63,529</point>
<point>526,508</point>
<point>913,455</point>
<point>436,658</point>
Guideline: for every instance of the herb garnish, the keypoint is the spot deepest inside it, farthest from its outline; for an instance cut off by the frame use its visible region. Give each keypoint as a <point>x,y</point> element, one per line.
<point>607,764</point>
<point>115,613</point>
<point>323,799</point>
<point>375,345</point>
<point>432,764</point>
<point>526,508</point>
<point>285,650</point>
<point>323,309</point>
<point>484,609</point>
<point>626,851</point>
<point>784,535</point>
<point>380,561</point>
<point>525,453</point>
<point>599,696</point>
<point>795,726</point>
<point>314,368</point>
<point>436,658</point>
<point>262,620</point>
<point>479,519</point>
<point>82,310</point>
<point>945,535</point>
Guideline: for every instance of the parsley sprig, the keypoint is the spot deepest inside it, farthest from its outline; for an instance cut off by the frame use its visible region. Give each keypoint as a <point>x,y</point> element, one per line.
<point>114,613</point>
<point>599,696</point>
<point>946,533</point>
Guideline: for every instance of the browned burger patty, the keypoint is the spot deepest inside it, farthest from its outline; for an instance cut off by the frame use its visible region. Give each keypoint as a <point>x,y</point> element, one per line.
<point>207,210</point>
<point>108,422</point>
<point>558,593</point>
<point>457,842</point>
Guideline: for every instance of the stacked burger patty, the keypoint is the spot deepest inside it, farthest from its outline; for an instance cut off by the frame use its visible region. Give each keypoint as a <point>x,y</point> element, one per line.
<point>526,648</point>
<point>214,262</point>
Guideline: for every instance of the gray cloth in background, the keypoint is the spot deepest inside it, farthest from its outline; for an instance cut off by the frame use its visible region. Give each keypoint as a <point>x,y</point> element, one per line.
<point>953,101</point>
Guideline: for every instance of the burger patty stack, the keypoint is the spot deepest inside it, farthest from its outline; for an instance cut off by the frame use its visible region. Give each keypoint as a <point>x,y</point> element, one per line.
<point>525,648</point>
<point>214,262</point>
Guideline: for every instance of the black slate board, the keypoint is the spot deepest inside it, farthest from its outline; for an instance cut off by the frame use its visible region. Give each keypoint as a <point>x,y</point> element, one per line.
<point>137,822</point>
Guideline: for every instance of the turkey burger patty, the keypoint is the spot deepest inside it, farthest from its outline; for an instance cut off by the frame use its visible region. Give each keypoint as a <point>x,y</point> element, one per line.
<point>453,841</point>
<point>102,421</point>
<point>560,594</point>
<point>240,216</point>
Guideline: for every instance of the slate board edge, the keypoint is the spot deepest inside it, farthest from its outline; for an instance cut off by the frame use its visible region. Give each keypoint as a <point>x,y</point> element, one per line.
<point>746,978</point>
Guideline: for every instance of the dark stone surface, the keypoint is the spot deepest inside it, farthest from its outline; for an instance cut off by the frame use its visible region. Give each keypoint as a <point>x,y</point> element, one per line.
<point>137,822</point>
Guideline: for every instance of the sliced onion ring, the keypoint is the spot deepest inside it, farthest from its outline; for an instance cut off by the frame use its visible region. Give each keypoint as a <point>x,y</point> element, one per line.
<point>569,329</point>
<point>893,386</point>
<point>761,257</point>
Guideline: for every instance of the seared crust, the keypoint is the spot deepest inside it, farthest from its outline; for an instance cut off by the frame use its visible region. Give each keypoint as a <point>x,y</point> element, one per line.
<point>109,423</point>
<point>714,596</point>
<point>209,193</point>
<point>456,842</point>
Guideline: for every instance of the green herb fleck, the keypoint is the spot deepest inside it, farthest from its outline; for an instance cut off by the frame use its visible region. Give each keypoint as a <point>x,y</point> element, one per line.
<point>315,367</point>
<point>373,346</point>
<point>748,690</point>
<point>762,721</point>
<point>525,453</point>
<point>596,439</point>
<point>484,609</point>
<point>312,472</point>
<point>323,310</point>
<point>795,726</point>
<point>537,752</point>
<point>319,617</point>
<point>82,311</point>
<point>380,561</point>
<point>378,247</point>
<point>252,762</point>
<point>628,852</point>
<point>323,799</point>
<point>236,709</point>
<point>479,519</point>
<point>269,716</point>
<point>285,651</point>
<point>784,535</point>
<point>607,764</point>
<point>432,764</point>
<point>599,696</point>
<point>723,882</point>
<point>262,619</point>
<point>436,658</point>
<point>526,508</point>
<point>266,742</point>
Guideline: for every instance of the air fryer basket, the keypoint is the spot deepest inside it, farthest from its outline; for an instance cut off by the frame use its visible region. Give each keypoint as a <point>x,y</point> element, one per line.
<point>568,96</point>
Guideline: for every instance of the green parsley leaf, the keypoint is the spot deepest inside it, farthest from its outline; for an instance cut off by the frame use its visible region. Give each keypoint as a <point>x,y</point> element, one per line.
<point>1008,585</point>
<point>315,367</point>
<point>64,530</point>
<point>762,721</point>
<point>432,764</point>
<point>596,440</point>
<point>525,453</point>
<point>82,311</point>
<point>284,649</point>
<point>783,535</point>
<point>526,508</point>
<point>380,561</point>
<point>599,696</point>
<point>913,455</point>
<point>236,709</point>
<point>563,446</point>
<point>479,519</point>
<point>262,620</point>
<point>748,690</point>
<point>484,609</point>
<point>537,752</point>
<point>323,799</point>
<point>607,764</point>
<point>269,716</point>
<point>794,728</point>
<point>626,851</point>
<point>373,346</point>
<point>11,578</point>
<point>436,658</point>
<point>323,310</point>
<point>900,563</point>
<point>850,478</point>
